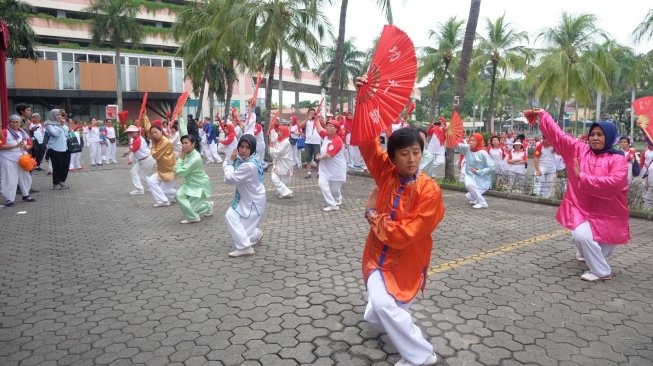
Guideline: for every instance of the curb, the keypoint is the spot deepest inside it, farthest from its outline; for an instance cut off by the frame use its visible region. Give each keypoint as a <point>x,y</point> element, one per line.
<point>512,196</point>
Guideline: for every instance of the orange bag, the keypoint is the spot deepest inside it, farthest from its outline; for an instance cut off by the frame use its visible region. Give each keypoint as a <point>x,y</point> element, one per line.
<point>27,162</point>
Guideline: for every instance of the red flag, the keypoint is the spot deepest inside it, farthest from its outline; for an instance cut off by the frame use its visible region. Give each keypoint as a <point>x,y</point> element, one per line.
<point>122,117</point>
<point>181,102</point>
<point>142,110</point>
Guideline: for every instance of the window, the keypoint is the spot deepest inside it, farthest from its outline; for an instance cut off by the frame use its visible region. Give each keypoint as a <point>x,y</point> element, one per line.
<point>80,57</point>
<point>67,56</point>
<point>178,64</point>
<point>156,62</point>
<point>133,78</point>
<point>107,59</point>
<point>144,61</point>
<point>52,56</point>
<point>133,61</point>
<point>167,63</point>
<point>70,75</point>
<point>94,59</point>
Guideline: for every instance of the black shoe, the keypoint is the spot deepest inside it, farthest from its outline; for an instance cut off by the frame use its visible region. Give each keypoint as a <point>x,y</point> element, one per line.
<point>29,199</point>
<point>9,203</point>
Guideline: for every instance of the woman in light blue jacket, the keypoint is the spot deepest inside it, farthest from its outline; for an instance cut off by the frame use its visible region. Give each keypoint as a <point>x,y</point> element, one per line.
<point>57,136</point>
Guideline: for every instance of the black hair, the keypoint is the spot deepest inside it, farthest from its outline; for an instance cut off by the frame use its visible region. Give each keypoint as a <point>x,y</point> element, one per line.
<point>422,130</point>
<point>403,138</point>
<point>311,109</point>
<point>494,137</point>
<point>522,137</point>
<point>190,138</point>
<point>625,138</point>
<point>157,127</point>
<point>21,107</point>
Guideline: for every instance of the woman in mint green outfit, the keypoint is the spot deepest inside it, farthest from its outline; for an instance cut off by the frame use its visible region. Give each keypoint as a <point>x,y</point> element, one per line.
<point>192,196</point>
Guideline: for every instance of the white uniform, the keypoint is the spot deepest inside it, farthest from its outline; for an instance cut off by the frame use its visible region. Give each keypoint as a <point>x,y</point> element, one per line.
<point>296,153</point>
<point>547,162</point>
<point>76,158</point>
<point>333,171</point>
<point>111,146</point>
<point>647,158</point>
<point>94,146</point>
<point>283,161</point>
<point>143,162</point>
<point>436,148</point>
<point>516,172</point>
<point>11,174</point>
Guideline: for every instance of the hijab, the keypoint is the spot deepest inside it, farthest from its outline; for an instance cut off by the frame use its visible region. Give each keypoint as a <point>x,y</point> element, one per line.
<point>611,137</point>
<point>51,117</point>
<point>251,140</point>
<point>480,143</point>
<point>284,133</point>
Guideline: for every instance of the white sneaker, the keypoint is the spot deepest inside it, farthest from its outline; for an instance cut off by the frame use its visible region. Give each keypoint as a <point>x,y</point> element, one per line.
<point>591,277</point>
<point>289,195</point>
<point>432,360</point>
<point>136,192</point>
<point>580,258</point>
<point>210,213</point>
<point>242,252</point>
<point>187,221</point>
<point>478,205</point>
<point>331,208</point>
<point>164,204</point>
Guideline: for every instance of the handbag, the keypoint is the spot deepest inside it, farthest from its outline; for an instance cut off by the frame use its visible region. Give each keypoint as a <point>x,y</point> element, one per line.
<point>112,140</point>
<point>301,142</point>
<point>73,144</point>
<point>636,168</point>
<point>293,141</point>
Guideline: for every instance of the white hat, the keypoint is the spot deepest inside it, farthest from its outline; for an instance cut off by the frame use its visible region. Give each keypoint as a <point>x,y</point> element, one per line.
<point>132,128</point>
<point>518,143</point>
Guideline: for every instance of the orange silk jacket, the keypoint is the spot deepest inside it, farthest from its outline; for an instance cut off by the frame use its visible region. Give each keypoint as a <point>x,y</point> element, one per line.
<point>399,242</point>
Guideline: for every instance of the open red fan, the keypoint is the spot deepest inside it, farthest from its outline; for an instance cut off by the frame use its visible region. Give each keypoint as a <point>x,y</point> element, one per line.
<point>390,81</point>
<point>142,110</point>
<point>181,102</point>
<point>454,130</point>
<point>644,110</point>
<point>122,118</point>
<point>252,102</point>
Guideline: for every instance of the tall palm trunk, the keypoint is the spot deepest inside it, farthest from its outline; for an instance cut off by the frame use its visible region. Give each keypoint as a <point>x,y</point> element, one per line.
<point>561,114</point>
<point>463,71</point>
<point>340,54</point>
<point>280,84</point>
<point>268,87</point>
<point>200,103</point>
<point>231,79</point>
<point>118,80</point>
<point>490,111</point>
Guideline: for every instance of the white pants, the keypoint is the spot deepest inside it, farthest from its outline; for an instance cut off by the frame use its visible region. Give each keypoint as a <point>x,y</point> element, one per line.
<point>438,160</point>
<point>96,152</point>
<point>244,230</point>
<point>141,169</point>
<point>12,176</point>
<point>111,152</point>
<point>75,161</point>
<point>475,193</point>
<point>162,190</point>
<point>648,193</point>
<point>595,254</point>
<point>331,191</point>
<point>385,314</point>
<point>544,183</point>
<point>281,183</point>
<point>104,149</point>
<point>297,154</point>
<point>355,157</point>
<point>212,154</point>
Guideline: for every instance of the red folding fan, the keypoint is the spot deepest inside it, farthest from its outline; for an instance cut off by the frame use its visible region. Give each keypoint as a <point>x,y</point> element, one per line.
<point>644,110</point>
<point>390,81</point>
<point>454,130</point>
<point>411,108</point>
<point>255,95</point>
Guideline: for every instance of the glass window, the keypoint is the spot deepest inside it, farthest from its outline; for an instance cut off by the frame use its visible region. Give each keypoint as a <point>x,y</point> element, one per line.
<point>65,56</point>
<point>133,60</point>
<point>94,59</point>
<point>133,78</point>
<point>144,61</point>
<point>122,60</point>
<point>11,78</point>
<point>178,63</point>
<point>107,59</point>
<point>70,75</point>
<point>80,57</point>
<point>51,56</point>
<point>156,62</point>
<point>167,63</point>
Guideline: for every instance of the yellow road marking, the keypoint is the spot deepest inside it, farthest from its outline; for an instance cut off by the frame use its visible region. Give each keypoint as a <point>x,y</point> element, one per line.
<point>493,252</point>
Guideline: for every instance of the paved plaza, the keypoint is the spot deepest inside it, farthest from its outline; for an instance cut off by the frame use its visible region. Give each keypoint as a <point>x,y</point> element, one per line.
<point>94,276</point>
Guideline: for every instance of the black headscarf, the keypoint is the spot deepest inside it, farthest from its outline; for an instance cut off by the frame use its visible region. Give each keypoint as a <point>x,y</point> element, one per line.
<point>251,140</point>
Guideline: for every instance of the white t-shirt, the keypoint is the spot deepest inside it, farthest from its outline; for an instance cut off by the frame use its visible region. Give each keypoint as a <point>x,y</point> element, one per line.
<point>334,168</point>
<point>111,132</point>
<point>312,136</point>
<point>514,155</point>
<point>39,132</point>
<point>94,134</point>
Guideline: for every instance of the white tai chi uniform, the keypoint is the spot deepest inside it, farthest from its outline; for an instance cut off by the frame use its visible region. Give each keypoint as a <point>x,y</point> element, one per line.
<point>248,205</point>
<point>645,161</point>
<point>94,147</point>
<point>11,174</point>
<point>333,170</point>
<point>479,182</point>
<point>283,162</point>
<point>260,144</point>
<point>76,158</point>
<point>143,162</point>
<point>110,135</point>
<point>295,132</point>
<point>547,162</point>
<point>436,146</point>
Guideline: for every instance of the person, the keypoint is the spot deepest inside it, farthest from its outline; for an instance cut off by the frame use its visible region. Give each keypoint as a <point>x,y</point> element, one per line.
<point>645,162</point>
<point>192,196</point>
<point>162,183</point>
<point>38,133</point>
<point>140,158</point>
<point>15,142</point>
<point>426,165</point>
<point>402,211</point>
<point>175,139</point>
<point>478,170</point>
<point>545,168</point>
<point>333,166</point>
<point>58,148</point>
<point>510,140</point>
<point>166,128</point>
<point>630,154</point>
<point>24,111</point>
<point>595,205</point>
<point>94,144</point>
<point>211,142</point>
<point>355,160</point>
<point>295,132</point>
<point>193,130</point>
<point>313,141</point>
<point>103,141</point>
<point>243,170</point>
<point>436,145</point>
<point>282,161</point>
<point>516,160</point>
<point>75,158</point>
<point>111,142</point>
<point>260,144</point>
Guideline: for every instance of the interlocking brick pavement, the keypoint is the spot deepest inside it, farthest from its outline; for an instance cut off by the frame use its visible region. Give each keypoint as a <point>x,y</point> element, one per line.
<point>92,276</point>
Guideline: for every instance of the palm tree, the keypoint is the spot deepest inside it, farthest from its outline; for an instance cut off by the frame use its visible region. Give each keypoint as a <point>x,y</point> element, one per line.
<point>16,13</point>
<point>461,77</point>
<point>212,37</point>
<point>644,30</point>
<point>350,68</point>
<point>294,27</point>
<point>501,48</point>
<point>436,61</point>
<point>566,70</point>
<point>114,22</point>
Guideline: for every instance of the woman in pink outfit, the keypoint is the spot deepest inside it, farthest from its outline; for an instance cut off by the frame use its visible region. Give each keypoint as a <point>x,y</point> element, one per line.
<point>595,206</point>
